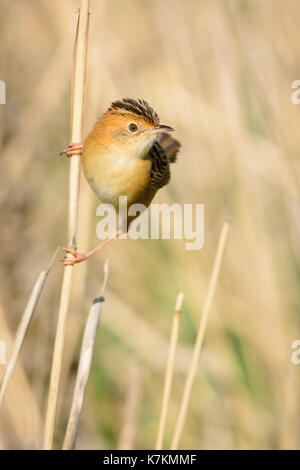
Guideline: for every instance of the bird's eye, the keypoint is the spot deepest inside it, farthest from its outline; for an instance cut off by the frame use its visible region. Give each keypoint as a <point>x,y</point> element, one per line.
<point>132,127</point>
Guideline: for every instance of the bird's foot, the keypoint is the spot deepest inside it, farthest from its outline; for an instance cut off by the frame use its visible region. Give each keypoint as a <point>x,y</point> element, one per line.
<point>77,257</point>
<point>73,149</point>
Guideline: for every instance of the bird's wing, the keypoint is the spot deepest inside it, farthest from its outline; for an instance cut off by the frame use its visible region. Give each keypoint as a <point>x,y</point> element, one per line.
<point>160,169</point>
<point>163,152</point>
<point>170,145</point>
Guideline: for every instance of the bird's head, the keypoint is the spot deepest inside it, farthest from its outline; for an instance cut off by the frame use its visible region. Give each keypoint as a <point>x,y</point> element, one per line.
<point>130,125</point>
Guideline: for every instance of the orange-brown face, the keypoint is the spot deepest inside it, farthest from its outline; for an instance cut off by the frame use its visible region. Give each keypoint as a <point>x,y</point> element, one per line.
<point>128,131</point>
<point>129,125</point>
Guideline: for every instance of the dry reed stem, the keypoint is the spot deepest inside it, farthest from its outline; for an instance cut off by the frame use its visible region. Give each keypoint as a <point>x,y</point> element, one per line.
<point>78,94</point>
<point>84,366</point>
<point>128,431</point>
<point>20,404</point>
<point>24,324</point>
<point>76,321</point>
<point>200,335</point>
<point>169,372</point>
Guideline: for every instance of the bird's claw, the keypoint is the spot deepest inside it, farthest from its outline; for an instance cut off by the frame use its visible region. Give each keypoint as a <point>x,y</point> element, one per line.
<point>77,257</point>
<point>73,149</point>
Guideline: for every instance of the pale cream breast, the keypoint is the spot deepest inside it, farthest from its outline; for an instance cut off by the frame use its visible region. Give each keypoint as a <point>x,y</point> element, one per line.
<point>112,173</point>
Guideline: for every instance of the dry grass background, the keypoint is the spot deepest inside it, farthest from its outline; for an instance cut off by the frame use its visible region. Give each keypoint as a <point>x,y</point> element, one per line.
<point>221,74</point>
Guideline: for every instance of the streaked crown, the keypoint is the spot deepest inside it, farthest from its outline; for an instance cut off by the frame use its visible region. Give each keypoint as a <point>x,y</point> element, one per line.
<point>129,108</point>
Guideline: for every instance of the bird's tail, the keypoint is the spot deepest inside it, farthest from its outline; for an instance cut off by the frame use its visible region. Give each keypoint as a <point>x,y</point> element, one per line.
<point>170,145</point>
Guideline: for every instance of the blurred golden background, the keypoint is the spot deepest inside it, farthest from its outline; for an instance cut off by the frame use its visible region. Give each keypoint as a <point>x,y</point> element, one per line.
<point>220,73</point>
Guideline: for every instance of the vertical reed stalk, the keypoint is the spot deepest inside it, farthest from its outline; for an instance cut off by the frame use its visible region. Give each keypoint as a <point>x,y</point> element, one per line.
<point>24,325</point>
<point>87,348</point>
<point>78,94</point>
<point>128,431</point>
<point>200,335</point>
<point>169,372</point>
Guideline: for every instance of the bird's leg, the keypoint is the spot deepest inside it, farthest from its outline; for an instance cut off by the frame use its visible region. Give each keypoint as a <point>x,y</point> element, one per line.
<point>73,149</point>
<point>79,257</point>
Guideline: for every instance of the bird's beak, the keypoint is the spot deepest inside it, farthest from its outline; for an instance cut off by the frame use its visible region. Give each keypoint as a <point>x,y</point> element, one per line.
<point>162,128</point>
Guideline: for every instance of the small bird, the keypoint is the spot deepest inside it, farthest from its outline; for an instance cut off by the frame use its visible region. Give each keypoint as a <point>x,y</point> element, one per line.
<point>128,153</point>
